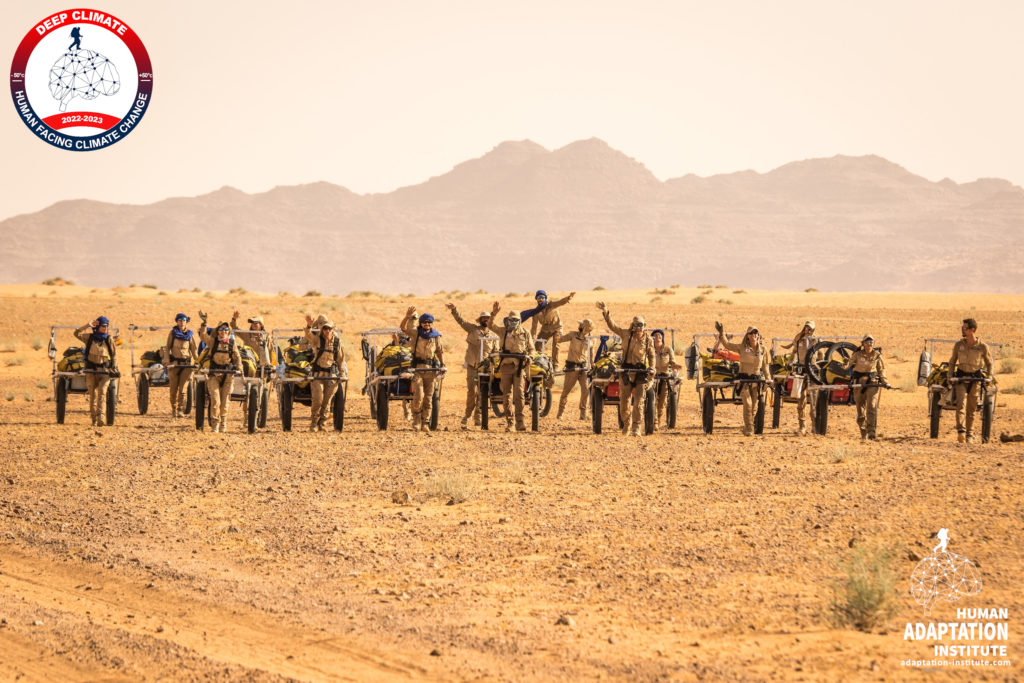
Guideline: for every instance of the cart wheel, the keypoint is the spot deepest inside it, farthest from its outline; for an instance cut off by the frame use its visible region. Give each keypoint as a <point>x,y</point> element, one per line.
<point>200,405</point>
<point>61,398</point>
<point>546,406</point>
<point>649,408</point>
<point>371,393</point>
<point>821,412</point>
<point>483,399</point>
<point>189,398</point>
<point>382,406</point>
<point>498,407</point>
<point>935,410</point>
<point>671,407</point>
<point>111,401</point>
<point>988,414</point>
<point>264,401</point>
<point>759,415</point>
<point>535,402</point>
<point>252,408</point>
<point>777,405</point>
<point>143,394</point>
<point>596,408</point>
<point>435,409</point>
<point>287,403</point>
<point>707,410</point>
<point>339,407</point>
<point>815,368</point>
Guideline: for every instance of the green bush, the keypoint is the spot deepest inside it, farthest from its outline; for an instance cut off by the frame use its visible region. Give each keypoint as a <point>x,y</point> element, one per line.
<point>864,598</point>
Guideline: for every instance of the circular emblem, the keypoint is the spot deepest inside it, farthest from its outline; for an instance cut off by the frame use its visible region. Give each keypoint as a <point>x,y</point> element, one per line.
<point>81,79</point>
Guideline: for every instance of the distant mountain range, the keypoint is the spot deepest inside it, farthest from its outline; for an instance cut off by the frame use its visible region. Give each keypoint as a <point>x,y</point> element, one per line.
<point>522,217</point>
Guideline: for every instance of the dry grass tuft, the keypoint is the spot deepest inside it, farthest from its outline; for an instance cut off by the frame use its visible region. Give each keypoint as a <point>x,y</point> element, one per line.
<point>1017,388</point>
<point>864,598</point>
<point>840,453</point>
<point>455,487</point>
<point>17,360</point>
<point>1010,365</point>
<point>9,346</point>
<point>699,299</point>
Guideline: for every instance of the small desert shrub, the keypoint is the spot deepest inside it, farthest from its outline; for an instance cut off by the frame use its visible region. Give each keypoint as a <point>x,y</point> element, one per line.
<point>208,295</point>
<point>703,286</point>
<point>661,291</point>
<point>238,291</point>
<point>287,294</point>
<point>455,486</point>
<point>599,288</point>
<point>721,287</point>
<point>841,453</point>
<point>739,291</point>
<point>898,356</point>
<point>312,292</point>
<point>1017,388</point>
<point>674,286</point>
<point>42,385</point>
<point>811,289</point>
<point>9,396</point>
<point>196,290</point>
<point>515,472</point>
<point>10,346</point>
<point>707,292</point>
<point>17,360</point>
<point>1010,365</point>
<point>655,299</point>
<point>149,286</point>
<point>1011,352</point>
<point>28,397</point>
<point>363,294</point>
<point>909,384</point>
<point>863,598</point>
<point>698,299</point>
<point>509,295</point>
<point>727,302</point>
<point>132,286</point>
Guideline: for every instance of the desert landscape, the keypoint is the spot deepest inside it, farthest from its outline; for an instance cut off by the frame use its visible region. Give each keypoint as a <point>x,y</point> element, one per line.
<point>148,550</point>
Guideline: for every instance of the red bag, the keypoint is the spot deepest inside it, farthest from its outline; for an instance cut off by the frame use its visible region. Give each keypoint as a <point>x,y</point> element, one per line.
<point>613,390</point>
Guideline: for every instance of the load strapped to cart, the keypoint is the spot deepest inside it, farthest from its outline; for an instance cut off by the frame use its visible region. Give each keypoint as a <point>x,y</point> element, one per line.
<point>151,370</point>
<point>69,373</point>
<point>795,377</point>
<point>249,387</point>
<point>389,373</point>
<point>941,387</point>
<point>293,377</point>
<point>537,391</point>
<point>605,371</point>
<point>719,381</point>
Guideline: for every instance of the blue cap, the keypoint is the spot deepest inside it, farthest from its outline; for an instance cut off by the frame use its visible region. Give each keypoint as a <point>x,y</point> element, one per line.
<point>541,293</point>
<point>426,318</point>
<point>102,320</point>
<point>181,316</point>
<point>661,332</point>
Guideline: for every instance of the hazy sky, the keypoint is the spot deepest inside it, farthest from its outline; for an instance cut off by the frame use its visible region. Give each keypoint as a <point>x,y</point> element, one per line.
<point>376,95</point>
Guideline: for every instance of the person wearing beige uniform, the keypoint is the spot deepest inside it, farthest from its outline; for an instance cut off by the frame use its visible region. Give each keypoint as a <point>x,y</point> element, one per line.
<point>970,358</point>
<point>223,356</point>
<point>256,338</point>
<point>515,372</point>
<point>637,354</point>
<point>868,367</point>
<point>576,366</point>
<point>426,352</point>
<point>328,357</point>
<point>754,363</point>
<point>664,364</point>
<point>100,354</point>
<point>803,341</point>
<point>180,352</point>
<point>546,322</point>
<point>476,335</point>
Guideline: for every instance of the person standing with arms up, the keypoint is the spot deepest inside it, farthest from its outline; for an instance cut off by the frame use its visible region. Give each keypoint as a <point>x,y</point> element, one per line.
<point>637,354</point>
<point>476,335</point>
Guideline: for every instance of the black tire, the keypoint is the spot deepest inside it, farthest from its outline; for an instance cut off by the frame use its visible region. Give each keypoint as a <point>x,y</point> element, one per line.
<point>535,401</point>
<point>287,404</point>
<point>372,395</point>
<point>264,401</point>
<point>650,406</point>
<point>596,408</point>
<point>814,368</point>
<point>111,401</point>
<point>498,408</point>
<point>485,399</point>
<point>189,399</point>
<point>339,408</point>
<point>546,405</point>
<point>671,406</point>
<point>383,405</point>
<point>935,406</point>
<point>200,405</point>
<point>777,406</point>
<point>61,398</point>
<point>759,415</point>
<point>707,410</point>
<point>252,408</point>
<point>143,394</point>
<point>821,412</point>
<point>435,409</point>
<point>988,415</point>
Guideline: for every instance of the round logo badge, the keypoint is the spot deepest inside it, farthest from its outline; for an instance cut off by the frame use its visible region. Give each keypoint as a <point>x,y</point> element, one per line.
<point>81,79</point>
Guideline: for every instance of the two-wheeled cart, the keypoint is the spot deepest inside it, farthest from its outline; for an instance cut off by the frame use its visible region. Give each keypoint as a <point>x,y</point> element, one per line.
<point>941,388</point>
<point>293,380</point>
<point>69,375</point>
<point>154,374</point>
<point>384,386</point>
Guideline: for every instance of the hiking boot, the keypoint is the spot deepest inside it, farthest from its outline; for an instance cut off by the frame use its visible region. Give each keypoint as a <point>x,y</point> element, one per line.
<point>970,438</point>
<point>476,419</point>
<point>425,427</point>
<point>312,427</point>
<point>747,432</point>
<point>509,428</point>
<point>871,437</point>
<point>960,438</point>
<point>561,409</point>
<point>635,431</point>
<point>625,430</point>
<point>863,434</point>
<point>583,415</point>
<point>465,422</point>
<point>216,427</point>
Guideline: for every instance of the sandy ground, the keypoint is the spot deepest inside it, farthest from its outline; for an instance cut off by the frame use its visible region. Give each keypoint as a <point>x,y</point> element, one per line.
<point>150,551</point>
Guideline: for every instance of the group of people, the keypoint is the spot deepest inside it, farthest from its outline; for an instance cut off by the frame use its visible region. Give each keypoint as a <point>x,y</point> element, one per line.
<point>644,355</point>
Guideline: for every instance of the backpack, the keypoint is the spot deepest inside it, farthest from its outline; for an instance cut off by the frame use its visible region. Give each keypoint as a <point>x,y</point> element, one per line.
<point>73,360</point>
<point>151,358</point>
<point>392,359</point>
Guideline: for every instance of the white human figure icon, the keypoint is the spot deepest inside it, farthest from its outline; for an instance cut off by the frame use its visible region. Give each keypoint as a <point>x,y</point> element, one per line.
<point>943,537</point>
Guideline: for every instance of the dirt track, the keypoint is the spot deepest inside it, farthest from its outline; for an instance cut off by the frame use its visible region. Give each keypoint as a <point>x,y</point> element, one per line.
<point>148,550</point>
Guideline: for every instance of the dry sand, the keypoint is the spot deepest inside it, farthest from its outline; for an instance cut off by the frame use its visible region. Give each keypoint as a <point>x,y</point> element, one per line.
<point>147,550</point>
